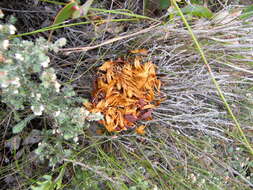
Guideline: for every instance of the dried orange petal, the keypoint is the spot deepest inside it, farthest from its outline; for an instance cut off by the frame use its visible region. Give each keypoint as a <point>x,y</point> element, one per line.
<point>140,51</point>
<point>140,130</point>
<point>124,91</point>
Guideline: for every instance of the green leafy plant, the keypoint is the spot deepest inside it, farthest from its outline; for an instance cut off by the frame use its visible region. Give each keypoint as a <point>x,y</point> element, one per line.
<point>197,10</point>
<point>71,10</point>
<point>48,183</point>
<point>193,8</point>
<point>141,185</point>
<point>164,4</point>
<point>30,89</point>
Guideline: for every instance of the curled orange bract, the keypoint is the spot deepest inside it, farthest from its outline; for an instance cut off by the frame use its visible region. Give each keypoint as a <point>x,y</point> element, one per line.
<point>125,92</point>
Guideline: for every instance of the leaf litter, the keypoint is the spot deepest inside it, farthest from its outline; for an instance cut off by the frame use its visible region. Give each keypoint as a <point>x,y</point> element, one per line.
<point>125,91</point>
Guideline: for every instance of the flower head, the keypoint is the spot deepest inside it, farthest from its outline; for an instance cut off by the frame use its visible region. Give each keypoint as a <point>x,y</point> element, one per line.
<point>19,57</point>
<point>12,29</point>
<point>57,86</point>
<point>45,63</point>
<point>5,44</point>
<point>16,82</point>
<point>57,113</point>
<point>37,110</point>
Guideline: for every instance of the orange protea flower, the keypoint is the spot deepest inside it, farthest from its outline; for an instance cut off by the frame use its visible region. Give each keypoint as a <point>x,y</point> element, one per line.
<point>125,91</point>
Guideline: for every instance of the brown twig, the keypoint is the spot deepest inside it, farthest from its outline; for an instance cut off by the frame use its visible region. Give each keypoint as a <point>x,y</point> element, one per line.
<point>87,48</point>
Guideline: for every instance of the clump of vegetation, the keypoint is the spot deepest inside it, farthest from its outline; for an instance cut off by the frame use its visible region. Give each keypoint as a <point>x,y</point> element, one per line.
<point>30,89</point>
<point>48,138</point>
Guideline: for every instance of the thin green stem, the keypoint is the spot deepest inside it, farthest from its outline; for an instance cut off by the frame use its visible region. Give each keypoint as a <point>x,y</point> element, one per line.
<point>58,26</point>
<point>245,141</point>
<point>124,12</point>
<point>54,2</point>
